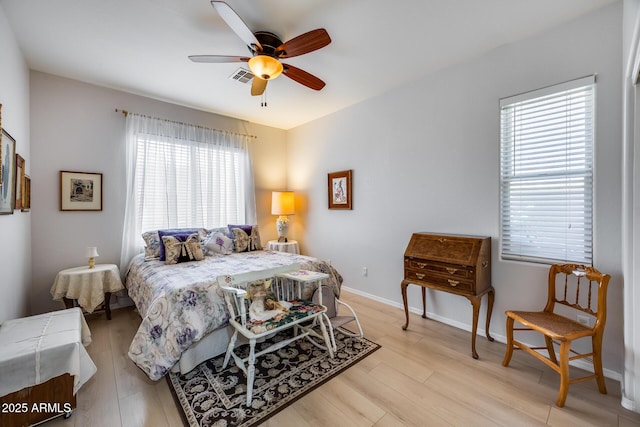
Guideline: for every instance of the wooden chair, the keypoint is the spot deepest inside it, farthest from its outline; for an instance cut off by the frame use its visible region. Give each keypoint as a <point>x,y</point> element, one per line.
<point>300,317</point>
<point>574,290</point>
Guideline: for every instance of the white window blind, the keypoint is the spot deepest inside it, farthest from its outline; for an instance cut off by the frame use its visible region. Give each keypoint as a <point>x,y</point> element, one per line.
<point>546,174</point>
<point>188,184</point>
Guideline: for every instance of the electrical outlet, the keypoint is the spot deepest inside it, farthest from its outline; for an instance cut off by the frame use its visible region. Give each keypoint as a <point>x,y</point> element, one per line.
<point>365,271</point>
<point>585,320</point>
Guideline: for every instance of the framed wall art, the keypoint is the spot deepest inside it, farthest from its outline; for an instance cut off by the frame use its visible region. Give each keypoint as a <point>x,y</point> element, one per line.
<point>8,167</point>
<point>339,187</point>
<point>80,191</point>
<point>19,181</point>
<point>26,198</point>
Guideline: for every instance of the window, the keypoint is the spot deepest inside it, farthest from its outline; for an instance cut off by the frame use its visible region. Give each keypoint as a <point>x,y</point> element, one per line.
<point>187,184</point>
<point>546,174</point>
<point>180,175</point>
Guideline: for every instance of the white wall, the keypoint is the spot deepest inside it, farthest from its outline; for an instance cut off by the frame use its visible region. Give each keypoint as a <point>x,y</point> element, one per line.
<point>74,127</point>
<point>15,230</point>
<point>425,158</point>
<point>631,210</point>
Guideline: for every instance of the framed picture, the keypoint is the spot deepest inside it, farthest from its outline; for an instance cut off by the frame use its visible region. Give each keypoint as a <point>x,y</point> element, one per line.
<point>8,166</point>
<point>26,197</point>
<point>80,191</point>
<point>340,190</point>
<point>19,180</point>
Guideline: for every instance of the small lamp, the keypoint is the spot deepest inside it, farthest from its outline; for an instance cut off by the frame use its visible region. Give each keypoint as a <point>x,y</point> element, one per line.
<point>282,203</point>
<point>91,253</point>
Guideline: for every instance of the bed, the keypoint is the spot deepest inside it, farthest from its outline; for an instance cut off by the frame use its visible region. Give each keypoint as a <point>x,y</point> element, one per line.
<point>184,318</point>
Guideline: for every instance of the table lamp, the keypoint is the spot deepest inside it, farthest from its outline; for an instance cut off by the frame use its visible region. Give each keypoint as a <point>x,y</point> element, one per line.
<point>91,253</point>
<point>282,204</point>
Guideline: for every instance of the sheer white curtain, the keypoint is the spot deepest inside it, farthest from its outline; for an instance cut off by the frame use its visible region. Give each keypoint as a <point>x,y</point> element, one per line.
<point>180,175</point>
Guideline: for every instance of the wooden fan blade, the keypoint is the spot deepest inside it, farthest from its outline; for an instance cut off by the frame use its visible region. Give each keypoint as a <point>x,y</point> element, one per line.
<point>302,77</point>
<point>236,23</point>
<point>305,43</point>
<point>258,86</point>
<point>218,58</point>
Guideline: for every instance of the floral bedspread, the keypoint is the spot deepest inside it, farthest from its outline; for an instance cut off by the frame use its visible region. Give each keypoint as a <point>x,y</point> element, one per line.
<point>181,303</point>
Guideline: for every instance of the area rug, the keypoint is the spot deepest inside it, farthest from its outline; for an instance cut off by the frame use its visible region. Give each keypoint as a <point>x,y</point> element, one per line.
<point>210,396</point>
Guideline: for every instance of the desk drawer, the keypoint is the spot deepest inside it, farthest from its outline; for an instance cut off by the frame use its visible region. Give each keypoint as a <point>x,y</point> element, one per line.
<point>444,282</point>
<point>448,270</point>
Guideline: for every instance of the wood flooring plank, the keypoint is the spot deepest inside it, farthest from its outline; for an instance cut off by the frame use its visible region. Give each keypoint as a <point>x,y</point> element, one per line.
<point>318,411</point>
<point>500,408</point>
<point>421,395</point>
<point>143,409</point>
<point>287,418</point>
<point>387,398</point>
<point>357,408</point>
<point>97,399</point>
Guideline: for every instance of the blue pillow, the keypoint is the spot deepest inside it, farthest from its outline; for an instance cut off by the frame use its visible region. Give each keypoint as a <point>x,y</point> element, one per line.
<point>246,228</point>
<point>179,233</point>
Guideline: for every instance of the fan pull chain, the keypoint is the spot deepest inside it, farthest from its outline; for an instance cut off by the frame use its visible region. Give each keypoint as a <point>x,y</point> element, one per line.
<point>264,98</point>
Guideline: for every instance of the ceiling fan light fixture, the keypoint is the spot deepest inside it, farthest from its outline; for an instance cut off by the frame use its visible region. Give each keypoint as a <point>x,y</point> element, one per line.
<point>265,67</point>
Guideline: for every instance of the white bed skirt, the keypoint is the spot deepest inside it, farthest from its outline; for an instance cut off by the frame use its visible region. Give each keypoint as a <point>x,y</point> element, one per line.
<point>209,346</point>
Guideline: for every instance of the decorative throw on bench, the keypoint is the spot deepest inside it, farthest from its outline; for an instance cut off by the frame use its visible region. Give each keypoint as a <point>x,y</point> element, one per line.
<point>264,304</point>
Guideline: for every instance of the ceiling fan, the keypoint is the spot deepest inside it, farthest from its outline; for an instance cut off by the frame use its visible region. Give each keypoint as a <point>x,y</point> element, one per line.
<point>266,51</point>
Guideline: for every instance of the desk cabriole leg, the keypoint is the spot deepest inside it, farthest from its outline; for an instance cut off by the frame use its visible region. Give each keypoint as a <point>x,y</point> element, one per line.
<point>490,298</point>
<point>475,302</point>
<point>403,286</point>
<point>424,302</point>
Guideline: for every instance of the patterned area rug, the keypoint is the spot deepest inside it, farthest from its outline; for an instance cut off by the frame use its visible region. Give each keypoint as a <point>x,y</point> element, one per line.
<point>210,396</point>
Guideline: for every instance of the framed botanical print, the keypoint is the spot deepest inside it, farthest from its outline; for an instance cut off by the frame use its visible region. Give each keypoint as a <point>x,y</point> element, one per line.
<point>8,167</point>
<point>80,191</point>
<point>19,181</point>
<point>339,188</point>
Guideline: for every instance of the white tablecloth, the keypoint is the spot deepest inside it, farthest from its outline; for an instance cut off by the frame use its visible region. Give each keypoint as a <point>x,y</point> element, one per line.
<point>291,246</point>
<point>35,349</point>
<point>87,285</point>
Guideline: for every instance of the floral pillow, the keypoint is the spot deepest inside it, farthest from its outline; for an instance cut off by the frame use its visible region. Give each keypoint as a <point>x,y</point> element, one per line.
<point>152,245</point>
<point>218,243</point>
<point>246,242</point>
<point>177,251</point>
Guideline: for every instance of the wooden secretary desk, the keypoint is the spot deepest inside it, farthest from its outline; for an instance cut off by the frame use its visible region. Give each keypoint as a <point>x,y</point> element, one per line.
<point>457,264</point>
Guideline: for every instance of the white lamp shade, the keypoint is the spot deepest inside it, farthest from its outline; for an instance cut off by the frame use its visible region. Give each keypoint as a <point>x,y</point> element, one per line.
<point>282,203</point>
<point>91,252</point>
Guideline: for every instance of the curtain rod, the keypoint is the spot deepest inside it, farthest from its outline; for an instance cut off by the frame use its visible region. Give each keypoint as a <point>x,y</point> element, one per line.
<point>126,113</point>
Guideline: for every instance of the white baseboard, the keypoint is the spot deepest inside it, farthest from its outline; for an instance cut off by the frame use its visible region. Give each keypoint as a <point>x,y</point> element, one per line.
<point>582,364</point>
<point>629,404</point>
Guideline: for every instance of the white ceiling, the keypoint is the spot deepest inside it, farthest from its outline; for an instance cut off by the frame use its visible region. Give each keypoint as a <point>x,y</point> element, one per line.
<point>141,46</point>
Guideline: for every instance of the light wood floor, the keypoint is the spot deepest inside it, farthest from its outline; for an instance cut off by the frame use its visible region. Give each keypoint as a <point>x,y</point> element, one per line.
<point>421,377</point>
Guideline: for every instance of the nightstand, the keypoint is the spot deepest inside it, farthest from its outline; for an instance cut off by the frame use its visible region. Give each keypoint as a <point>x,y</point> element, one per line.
<point>91,287</point>
<point>291,246</point>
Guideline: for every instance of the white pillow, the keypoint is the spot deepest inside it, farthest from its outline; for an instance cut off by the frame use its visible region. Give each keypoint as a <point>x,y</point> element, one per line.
<point>218,243</point>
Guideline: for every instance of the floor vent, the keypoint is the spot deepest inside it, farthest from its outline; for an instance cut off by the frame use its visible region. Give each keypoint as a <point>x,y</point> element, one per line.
<point>242,75</point>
